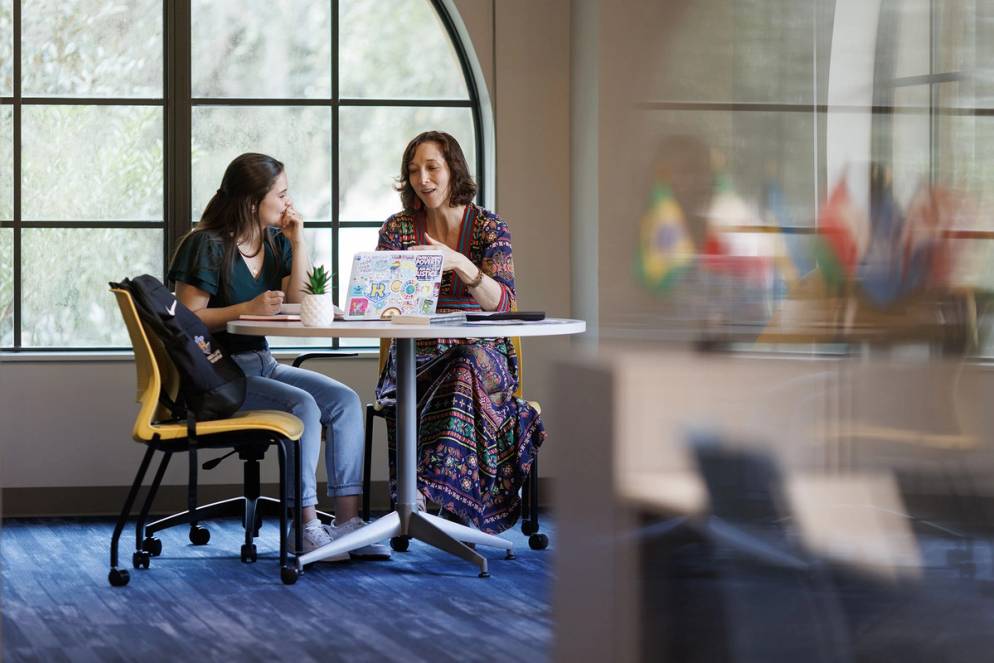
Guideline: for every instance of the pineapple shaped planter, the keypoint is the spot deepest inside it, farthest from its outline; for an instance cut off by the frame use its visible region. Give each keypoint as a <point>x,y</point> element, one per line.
<point>317,309</point>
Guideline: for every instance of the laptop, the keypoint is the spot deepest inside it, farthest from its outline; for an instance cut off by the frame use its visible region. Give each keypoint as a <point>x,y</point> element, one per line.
<point>387,283</point>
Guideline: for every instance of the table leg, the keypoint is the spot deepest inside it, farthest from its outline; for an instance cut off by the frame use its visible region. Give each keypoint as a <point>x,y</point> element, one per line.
<point>406,521</point>
<point>407,430</point>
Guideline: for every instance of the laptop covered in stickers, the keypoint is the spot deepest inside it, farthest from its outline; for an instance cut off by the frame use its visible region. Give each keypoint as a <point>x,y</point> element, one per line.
<point>383,284</point>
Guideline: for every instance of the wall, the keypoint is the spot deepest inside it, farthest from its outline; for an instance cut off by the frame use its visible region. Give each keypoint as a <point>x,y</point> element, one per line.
<point>66,424</point>
<point>608,71</point>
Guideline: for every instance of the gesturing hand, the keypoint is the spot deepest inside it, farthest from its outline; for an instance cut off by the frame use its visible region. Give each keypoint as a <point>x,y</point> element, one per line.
<point>268,303</point>
<point>450,259</point>
<point>292,224</point>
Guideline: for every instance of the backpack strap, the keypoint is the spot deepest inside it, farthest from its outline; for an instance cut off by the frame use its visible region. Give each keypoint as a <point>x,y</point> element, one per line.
<point>177,408</point>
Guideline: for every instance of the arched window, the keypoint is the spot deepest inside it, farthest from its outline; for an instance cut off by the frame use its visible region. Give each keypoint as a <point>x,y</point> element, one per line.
<point>116,123</point>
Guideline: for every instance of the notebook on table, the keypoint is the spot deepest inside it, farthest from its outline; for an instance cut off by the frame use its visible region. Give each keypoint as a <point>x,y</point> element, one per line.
<point>387,283</point>
<point>288,313</point>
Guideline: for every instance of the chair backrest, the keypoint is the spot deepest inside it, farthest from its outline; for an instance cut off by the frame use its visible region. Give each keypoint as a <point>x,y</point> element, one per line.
<point>384,353</point>
<point>155,371</point>
<point>515,341</point>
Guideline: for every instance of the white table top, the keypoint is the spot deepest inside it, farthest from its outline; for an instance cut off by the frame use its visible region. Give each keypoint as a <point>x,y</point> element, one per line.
<point>377,329</point>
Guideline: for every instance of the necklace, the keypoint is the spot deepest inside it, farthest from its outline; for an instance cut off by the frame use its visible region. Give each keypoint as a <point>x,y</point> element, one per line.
<point>250,255</point>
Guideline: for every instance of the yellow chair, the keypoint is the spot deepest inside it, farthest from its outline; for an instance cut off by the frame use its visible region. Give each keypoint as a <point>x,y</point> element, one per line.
<point>248,433</point>
<point>529,492</point>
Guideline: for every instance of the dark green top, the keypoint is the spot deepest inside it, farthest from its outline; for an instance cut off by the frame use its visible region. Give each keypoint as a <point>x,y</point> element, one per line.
<point>198,263</point>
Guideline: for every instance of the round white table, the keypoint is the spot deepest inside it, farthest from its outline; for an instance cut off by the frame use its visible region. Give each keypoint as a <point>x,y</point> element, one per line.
<point>407,520</point>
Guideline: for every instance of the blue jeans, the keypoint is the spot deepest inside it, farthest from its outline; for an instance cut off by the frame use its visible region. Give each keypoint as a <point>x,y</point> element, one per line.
<point>319,402</point>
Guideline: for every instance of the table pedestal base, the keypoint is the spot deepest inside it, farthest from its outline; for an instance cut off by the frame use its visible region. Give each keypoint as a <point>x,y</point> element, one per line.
<point>438,532</point>
<point>407,520</point>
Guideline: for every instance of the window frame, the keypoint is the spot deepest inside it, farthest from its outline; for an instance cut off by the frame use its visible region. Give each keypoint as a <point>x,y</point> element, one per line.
<point>177,104</point>
<point>17,224</point>
<point>931,80</point>
<point>888,84</point>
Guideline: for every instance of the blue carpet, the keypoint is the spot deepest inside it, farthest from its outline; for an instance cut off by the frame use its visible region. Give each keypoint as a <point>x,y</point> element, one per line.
<point>202,603</point>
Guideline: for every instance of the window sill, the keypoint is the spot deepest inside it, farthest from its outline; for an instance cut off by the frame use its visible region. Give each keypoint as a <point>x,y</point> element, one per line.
<point>74,356</point>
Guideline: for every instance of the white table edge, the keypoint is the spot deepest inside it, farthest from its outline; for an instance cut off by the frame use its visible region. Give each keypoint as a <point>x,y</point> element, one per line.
<point>548,327</point>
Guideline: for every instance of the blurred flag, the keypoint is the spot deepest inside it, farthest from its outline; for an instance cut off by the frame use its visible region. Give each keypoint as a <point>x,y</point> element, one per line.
<point>665,248</point>
<point>734,244</point>
<point>971,260</point>
<point>796,252</point>
<point>727,215</point>
<point>881,272</point>
<point>842,236</point>
<point>926,257</point>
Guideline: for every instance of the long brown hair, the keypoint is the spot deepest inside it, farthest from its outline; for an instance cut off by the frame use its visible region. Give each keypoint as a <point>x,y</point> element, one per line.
<point>462,188</point>
<point>231,211</point>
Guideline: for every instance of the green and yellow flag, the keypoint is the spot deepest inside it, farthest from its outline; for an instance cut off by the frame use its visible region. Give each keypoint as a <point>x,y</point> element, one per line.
<point>665,249</point>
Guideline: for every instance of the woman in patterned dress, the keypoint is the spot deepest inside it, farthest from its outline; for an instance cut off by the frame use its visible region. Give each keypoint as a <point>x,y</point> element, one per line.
<point>476,441</point>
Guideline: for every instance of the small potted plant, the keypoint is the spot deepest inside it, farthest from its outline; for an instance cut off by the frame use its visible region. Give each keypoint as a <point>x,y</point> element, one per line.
<point>317,309</point>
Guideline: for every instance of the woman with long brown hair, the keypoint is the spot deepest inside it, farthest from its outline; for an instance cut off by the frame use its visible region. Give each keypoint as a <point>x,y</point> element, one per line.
<point>247,256</point>
<point>476,441</point>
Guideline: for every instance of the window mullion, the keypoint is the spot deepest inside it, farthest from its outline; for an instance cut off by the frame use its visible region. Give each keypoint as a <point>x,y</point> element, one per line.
<point>177,138</point>
<point>336,193</point>
<point>17,176</point>
<point>933,94</point>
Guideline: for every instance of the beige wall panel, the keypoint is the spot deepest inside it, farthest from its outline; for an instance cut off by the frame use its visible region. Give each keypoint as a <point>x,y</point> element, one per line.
<point>69,424</point>
<point>533,173</point>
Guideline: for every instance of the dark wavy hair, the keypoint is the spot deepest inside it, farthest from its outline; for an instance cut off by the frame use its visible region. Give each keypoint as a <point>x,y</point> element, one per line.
<point>231,211</point>
<point>462,188</point>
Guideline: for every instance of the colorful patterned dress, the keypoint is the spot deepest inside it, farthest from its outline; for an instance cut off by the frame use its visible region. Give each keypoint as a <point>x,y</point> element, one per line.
<point>476,441</point>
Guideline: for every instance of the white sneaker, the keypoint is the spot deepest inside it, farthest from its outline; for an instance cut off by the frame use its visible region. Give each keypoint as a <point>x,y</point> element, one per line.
<point>315,536</point>
<point>371,551</point>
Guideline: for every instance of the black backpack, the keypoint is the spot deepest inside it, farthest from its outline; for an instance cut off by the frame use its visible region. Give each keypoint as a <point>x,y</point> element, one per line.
<point>212,385</point>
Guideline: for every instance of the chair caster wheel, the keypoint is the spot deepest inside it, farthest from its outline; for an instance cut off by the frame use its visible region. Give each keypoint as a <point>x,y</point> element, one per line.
<point>289,575</point>
<point>510,555</point>
<point>484,574</point>
<point>118,577</point>
<point>140,560</point>
<point>248,553</point>
<point>199,536</point>
<point>538,542</point>
<point>152,546</point>
<point>528,527</point>
<point>400,543</point>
